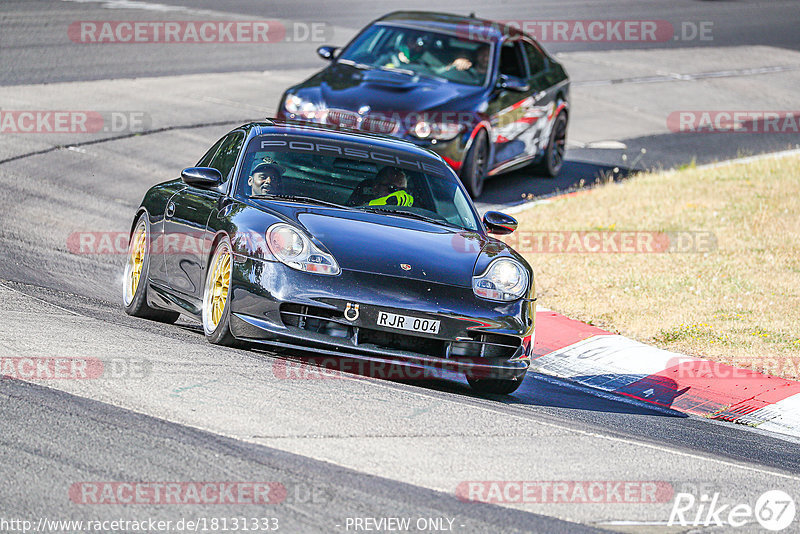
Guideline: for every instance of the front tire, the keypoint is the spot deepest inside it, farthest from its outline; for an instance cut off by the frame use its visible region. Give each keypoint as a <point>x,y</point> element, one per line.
<point>135,276</point>
<point>475,165</point>
<point>216,296</point>
<point>498,386</point>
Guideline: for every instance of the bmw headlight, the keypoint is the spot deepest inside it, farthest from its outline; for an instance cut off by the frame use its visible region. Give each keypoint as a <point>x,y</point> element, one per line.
<point>505,280</point>
<point>293,248</point>
<point>441,131</point>
<point>305,109</point>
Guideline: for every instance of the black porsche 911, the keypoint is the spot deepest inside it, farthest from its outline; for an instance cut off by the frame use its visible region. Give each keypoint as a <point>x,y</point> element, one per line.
<point>336,242</point>
<point>483,95</point>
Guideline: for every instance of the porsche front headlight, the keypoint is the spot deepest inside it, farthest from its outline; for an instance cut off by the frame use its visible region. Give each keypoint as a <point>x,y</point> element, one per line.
<point>504,280</point>
<point>293,248</point>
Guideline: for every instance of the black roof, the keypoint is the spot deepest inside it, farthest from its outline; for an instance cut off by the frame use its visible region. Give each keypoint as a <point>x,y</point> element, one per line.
<point>471,27</point>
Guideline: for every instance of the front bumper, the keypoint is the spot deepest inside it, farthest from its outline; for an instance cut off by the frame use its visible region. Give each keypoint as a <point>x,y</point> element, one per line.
<point>277,306</point>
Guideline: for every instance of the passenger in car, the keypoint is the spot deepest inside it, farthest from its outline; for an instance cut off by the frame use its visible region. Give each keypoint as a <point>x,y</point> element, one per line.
<point>265,179</point>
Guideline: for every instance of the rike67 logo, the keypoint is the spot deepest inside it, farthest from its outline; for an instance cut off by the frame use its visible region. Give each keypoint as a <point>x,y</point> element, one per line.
<point>774,510</point>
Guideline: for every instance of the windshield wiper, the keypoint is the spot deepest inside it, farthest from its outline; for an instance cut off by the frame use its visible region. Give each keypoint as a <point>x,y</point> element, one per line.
<point>361,66</point>
<point>296,198</point>
<point>435,77</point>
<point>408,72</point>
<point>415,73</point>
<point>412,215</point>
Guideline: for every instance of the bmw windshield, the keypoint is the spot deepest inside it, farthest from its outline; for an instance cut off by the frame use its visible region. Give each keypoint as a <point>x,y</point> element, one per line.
<point>420,52</point>
<point>354,176</point>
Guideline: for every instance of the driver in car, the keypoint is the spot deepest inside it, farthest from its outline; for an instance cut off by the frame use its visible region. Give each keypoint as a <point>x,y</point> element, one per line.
<point>390,188</point>
<point>265,179</point>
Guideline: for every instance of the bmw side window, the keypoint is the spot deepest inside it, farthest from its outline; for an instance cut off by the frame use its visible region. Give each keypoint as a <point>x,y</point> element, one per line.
<point>225,159</point>
<point>510,61</point>
<point>536,60</point>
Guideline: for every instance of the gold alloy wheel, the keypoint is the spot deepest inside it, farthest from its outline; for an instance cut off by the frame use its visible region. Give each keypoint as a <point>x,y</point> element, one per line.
<point>136,255</point>
<point>219,282</point>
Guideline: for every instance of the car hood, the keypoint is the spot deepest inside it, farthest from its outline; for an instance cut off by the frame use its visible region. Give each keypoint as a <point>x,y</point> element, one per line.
<point>392,246</point>
<point>345,87</point>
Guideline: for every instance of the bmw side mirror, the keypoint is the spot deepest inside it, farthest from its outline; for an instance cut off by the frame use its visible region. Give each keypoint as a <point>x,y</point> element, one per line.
<point>499,223</point>
<point>327,53</point>
<point>512,83</point>
<point>203,177</point>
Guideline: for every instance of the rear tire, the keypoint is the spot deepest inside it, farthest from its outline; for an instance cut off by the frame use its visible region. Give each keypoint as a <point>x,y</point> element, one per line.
<point>498,386</point>
<point>556,147</point>
<point>475,164</point>
<point>135,277</point>
<point>216,296</point>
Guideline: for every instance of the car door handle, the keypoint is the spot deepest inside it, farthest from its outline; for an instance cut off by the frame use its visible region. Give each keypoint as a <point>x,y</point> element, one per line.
<point>170,209</point>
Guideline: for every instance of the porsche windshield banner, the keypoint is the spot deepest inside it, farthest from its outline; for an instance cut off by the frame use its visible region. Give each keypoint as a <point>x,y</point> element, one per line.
<point>347,150</point>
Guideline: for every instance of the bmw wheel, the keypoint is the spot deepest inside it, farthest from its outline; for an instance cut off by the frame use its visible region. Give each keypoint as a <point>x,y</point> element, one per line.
<point>476,164</point>
<point>135,277</point>
<point>556,147</point>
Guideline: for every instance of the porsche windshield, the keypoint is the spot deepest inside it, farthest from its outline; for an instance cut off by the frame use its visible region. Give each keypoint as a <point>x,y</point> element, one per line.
<point>354,176</point>
<point>420,52</point>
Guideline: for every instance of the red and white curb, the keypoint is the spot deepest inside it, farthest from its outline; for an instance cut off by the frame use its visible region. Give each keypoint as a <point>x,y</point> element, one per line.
<point>592,357</point>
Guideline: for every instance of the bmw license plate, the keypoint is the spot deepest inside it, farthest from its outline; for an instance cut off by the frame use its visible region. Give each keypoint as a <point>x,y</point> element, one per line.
<point>404,322</point>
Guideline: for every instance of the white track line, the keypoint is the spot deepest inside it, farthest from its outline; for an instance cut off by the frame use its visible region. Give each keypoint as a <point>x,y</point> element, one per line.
<point>748,159</point>
<point>523,206</point>
<point>40,300</point>
<point>680,77</point>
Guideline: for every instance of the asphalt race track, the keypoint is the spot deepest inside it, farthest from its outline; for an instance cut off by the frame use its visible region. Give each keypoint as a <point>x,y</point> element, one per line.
<point>344,447</point>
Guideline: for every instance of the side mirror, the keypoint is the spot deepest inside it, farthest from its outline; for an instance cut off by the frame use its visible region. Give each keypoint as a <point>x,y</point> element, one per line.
<point>327,53</point>
<point>499,223</point>
<point>203,177</point>
<point>512,83</point>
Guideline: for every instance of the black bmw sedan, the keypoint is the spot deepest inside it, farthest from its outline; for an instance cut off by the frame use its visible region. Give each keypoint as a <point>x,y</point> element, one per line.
<point>483,95</point>
<point>345,244</point>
